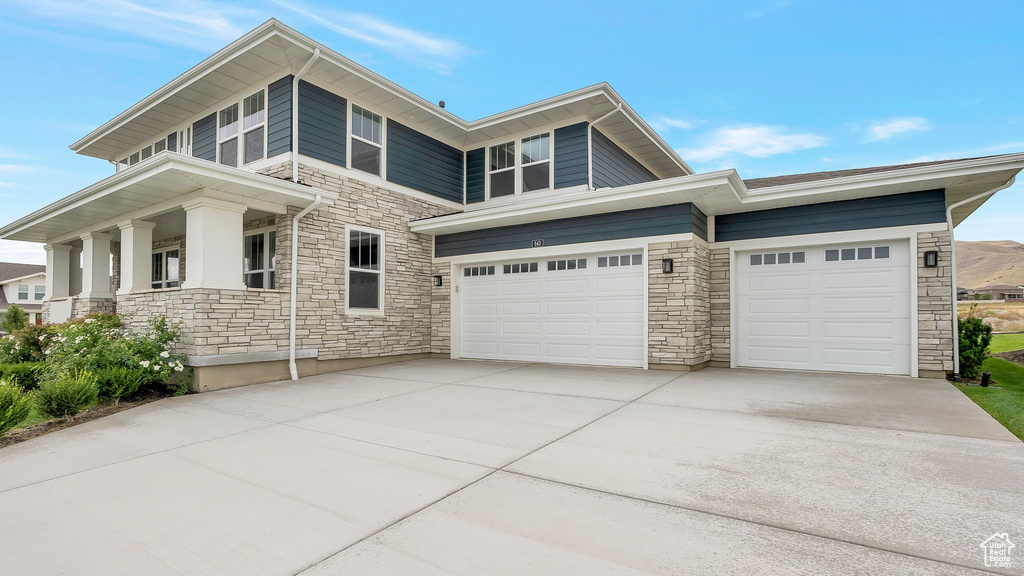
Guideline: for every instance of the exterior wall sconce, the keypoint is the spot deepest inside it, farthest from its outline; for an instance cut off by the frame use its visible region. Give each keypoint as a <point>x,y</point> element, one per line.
<point>931,259</point>
<point>666,265</point>
<point>437,280</point>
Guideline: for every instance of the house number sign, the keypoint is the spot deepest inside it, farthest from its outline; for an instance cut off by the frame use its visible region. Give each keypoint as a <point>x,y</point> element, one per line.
<point>536,243</point>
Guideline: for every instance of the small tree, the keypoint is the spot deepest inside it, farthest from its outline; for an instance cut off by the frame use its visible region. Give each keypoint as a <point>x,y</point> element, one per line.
<point>975,337</point>
<point>15,319</point>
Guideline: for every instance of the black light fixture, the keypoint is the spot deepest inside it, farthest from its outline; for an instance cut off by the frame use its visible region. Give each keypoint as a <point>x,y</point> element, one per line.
<point>666,265</point>
<point>437,280</point>
<point>931,259</point>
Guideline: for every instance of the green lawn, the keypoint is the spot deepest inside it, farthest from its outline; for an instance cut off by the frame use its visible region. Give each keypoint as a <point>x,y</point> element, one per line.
<point>1005,404</point>
<point>34,417</point>
<point>1006,343</point>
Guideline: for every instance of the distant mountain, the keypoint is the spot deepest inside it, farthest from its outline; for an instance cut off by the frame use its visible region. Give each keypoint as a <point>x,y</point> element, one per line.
<point>980,264</point>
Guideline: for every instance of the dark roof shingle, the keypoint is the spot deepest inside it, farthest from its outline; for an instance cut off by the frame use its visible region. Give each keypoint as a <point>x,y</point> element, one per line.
<point>11,270</point>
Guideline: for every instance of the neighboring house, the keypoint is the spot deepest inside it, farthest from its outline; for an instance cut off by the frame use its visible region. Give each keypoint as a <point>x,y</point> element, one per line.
<point>562,231</point>
<point>1002,292</point>
<point>964,294</point>
<point>24,285</point>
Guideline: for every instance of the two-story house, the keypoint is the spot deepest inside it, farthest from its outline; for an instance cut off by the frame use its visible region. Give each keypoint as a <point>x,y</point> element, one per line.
<point>296,210</point>
<point>24,285</point>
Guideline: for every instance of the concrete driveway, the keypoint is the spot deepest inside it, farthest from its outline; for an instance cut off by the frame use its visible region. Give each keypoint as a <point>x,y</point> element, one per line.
<point>473,468</point>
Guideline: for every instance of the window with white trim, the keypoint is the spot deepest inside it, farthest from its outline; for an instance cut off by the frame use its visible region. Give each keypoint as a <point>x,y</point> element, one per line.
<point>857,253</point>
<point>367,141</point>
<point>536,162</point>
<point>259,263</point>
<point>365,270</point>
<point>501,170</point>
<point>518,268</point>
<point>509,173</point>
<point>623,260</point>
<point>159,146</point>
<point>147,152</point>
<point>570,264</point>
<point>164,268</point>
<point>478,271</point>
<point>777,258</point>
<point>227,136</point>
<point>22,291</point>
<point>40,292</point>
<point>254,131</point>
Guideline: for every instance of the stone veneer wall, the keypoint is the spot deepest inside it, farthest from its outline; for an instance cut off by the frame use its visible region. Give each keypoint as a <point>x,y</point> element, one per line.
<point>679,304</point>
<point>934,306</point>
<point>441,311</point>
<point>720,315</point>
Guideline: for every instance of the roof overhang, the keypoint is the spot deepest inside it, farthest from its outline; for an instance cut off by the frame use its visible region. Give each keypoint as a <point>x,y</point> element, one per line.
<point>148,189</point>
<point>274,48</point>
<point>725,193</point>
<point>19,278</point>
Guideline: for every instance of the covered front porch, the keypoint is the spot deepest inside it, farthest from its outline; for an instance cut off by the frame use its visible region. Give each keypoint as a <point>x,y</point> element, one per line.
<point>166,236</point>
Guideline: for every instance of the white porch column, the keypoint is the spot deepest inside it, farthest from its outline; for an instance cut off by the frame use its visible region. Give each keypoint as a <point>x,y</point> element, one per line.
<point>136,250</point>
<point>96,265</point>
<point>75,278</point>
<point>58,276</point>
<point>213,242</point>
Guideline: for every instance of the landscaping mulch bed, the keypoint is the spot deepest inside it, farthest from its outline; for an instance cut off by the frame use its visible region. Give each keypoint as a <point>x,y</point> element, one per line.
<point>1015,356</point>
<point>92,413</point>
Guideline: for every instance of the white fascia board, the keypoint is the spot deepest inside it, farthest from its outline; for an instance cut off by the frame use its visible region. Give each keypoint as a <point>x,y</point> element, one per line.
<point>162,162</point>
<point>20,278</point>
<point>598,202</point>
<point>647,130</point>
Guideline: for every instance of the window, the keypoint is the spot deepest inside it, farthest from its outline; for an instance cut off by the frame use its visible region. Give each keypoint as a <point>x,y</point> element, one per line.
<point>40,292</point>
<point>536,162</point>
<point>164,268</point>
<point>253,126</point>
<point>520,268</point>
<point>859,253</point>
<point>502,169</point>
<point>365,266</point>
<point>623,260</point>
<point>777,258</point>
<point>572,264</point>
<point>533,164</point>
<point>478,271</point>
<point>227,135</point>
<point>147,152</point>
<point>22,291</point>
<point>133,159</point>
<point>122,164</point>
<point>159,146</point>
<point>367,140</point>
<point>259,267</point>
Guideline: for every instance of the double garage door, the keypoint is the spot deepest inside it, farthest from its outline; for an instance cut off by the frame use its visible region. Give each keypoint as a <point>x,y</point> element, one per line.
<point>582,309</point>
<point>839,308</point>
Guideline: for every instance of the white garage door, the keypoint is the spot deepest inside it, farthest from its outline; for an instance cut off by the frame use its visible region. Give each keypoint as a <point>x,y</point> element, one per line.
<point>577,310</point>
<point>842,308</point>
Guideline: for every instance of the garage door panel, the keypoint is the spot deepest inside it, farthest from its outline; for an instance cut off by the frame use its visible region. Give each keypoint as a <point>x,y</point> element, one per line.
<point>589,315</point>
<point>851,316</point>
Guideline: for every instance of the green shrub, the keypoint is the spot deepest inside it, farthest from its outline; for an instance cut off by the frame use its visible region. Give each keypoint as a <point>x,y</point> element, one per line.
<point>118,382</point>
<point>25,345</point>
<point>15,319</point>
<point>25,374</point>
<point>67,394</point>
<point>975,337</point>
<point>14,406</point>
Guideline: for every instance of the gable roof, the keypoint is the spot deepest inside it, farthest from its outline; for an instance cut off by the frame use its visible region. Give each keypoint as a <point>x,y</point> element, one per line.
<point>14,270</point>
<point>770,181</point>
<point>273,48</point>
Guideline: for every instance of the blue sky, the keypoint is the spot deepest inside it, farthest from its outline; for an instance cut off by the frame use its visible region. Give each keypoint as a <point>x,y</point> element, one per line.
<point>766,87</point>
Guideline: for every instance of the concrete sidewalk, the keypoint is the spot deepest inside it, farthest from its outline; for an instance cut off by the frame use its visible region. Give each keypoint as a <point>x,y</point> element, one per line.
<point>462,467</point>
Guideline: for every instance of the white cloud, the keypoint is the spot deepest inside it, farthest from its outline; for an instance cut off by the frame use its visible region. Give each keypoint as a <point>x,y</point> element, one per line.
<point>1004,148</point>
<point>23,252</point>
<point>887,129</point>
<point>420,48</point>
<point>758,141</point>
<point>664,123</point>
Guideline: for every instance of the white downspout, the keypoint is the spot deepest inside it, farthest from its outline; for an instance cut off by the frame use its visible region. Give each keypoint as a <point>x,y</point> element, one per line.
<point>295,114</point>
<point>294,281</point>
<point>590,146</point>
<point>952,265</point>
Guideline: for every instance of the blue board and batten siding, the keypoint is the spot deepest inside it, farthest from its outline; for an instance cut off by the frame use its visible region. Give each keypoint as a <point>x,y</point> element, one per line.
<point>279,117</point>
<point>476,167</point>
<point>204,138</point>
<point>322,124</point>
<point>675,219</point>
<point>926,207</point>
<point>613,166</point>
<point>571,155</point>
<point>423,163</point>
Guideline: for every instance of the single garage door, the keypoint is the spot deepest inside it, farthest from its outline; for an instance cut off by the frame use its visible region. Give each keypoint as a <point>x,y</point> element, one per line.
<point>842,308</point>
<point>584,309</point>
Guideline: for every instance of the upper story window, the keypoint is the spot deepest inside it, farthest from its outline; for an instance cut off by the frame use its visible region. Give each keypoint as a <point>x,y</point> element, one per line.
<point>159,146</point>
<point>254,127</point>
<point>40,292</point>
<point>367,140</point>
<point>260,264</point>
<point>530,170</point>
<point>227,135</point>
<point>250,125</point>
<point>22,291</point>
